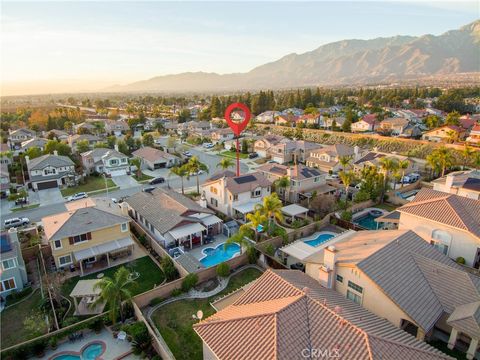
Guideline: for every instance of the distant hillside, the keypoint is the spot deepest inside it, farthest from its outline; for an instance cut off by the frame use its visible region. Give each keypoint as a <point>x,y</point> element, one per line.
<point>399,58</point>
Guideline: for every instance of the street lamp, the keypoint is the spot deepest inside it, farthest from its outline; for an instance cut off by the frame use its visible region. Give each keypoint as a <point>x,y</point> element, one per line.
<point>105,178</point>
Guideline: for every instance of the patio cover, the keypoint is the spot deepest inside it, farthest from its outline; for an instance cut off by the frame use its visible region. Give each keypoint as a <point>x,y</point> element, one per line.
<point>392,217</point>
<point>186,230</point>
<point>299,250</point>
<point>103,248</point>
<point>247,207</point>
<point>85,288</point>
<point>294,210</point>
<point>208,219</point>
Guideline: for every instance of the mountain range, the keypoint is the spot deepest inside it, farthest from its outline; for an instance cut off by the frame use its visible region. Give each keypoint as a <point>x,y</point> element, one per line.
<point>346,62</point>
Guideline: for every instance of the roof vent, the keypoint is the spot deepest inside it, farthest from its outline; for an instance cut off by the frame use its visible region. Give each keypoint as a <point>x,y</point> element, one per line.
<point>337,309</point>
<point>306,289</point>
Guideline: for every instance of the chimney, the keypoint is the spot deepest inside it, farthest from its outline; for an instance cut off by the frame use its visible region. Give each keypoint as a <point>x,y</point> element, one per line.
<point>55,152</point>
<point>327,270</point>
<point>124,208</point>
<point>449,181</point>
<point>13,235</point>
<point>356,152</point>
<point>203,200</point>
<point>27,159</point>
<point>115,147</point>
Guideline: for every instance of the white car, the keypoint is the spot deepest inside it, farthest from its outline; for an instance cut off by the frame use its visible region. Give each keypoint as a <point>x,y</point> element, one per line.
<point>77,196</point>
<point>16,222</point>
<point>333,177</point>
<point>157,141</point>
<point>208,145</point>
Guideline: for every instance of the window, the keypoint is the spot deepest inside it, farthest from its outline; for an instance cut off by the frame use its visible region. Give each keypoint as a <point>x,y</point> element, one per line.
<point>214,202</point>
<point>65,260</point>
<point>257,192</point>
<point>440,247</point>
<point>340,278</point>
<point>8,264</point>
<point>316,179</point>
<point>49,171</point>
<point>355,287</point>
<point>124,227</point>
<point>8,284</point>
<point>124,160</point>
<point>235,197</point>
<point>80,238</point>
<point>441,240</point>
<point>213,190</point>
<point>57,244</point>
<point>354,297</point>
<point>91,259</point>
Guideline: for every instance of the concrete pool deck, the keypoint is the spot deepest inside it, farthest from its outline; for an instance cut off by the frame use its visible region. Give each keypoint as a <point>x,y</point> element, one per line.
<point>115,349</point>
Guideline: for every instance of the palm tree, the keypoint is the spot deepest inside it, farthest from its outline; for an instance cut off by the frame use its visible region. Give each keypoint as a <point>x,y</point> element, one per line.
<point>271,207</point>
<point>347,178</point>
<point>452,136</point>
<point>256,218</point>
<point>138,164</point>
<point>387,165</point>
<point>194,166</point>
<point>403,165</point>
<point>345,161</point>
<point>114,292</point>
<point>467,153</point>
<point>182,172</point>
<point>443,156</point>
<point>225,163</point>
<point>283,183</point>
<point>240,239</point>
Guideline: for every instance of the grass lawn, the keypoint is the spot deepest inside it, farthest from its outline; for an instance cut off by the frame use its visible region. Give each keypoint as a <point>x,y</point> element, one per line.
<point>13,331</point>
<point>143,177</point>
<point>233,154</point>
<point>174,320</point>
<point>25,207</point>
<point>92,183</point>
<point>150,275</point>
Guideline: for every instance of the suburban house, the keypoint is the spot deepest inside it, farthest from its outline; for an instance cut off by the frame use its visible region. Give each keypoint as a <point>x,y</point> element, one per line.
<point>172,218</point>
<point>193,127</point>
<point>445,133</point>
<point>474,136</point>
<point>367,123</point>
<point>327,159</point>
<point>451,223</point>
<point>262,145</point>
<point>292,111</point>
<point>153,159</point>
<point>4,181</point>
<point>89,127</point>
<point>13,273</point>
<point>221,135</point>
<point>5,154</point>
<point>309,119</point>
<point>60,135</point>
<point>74,139</point>
<point>105,161</point>
<point>35,142</point>
<point>116,127</point>
<point>303,180</point>
<point>49,171</point>
<point>397,276</point>
<point>287,150</point>
<point>286,315</point>
<point>286,119</point>
<point>235,196</point>
<point>267,117</point>
<point>91,233</point>
<point>462,183</point>
<point>328,122</point>
<point>399,127</point>
<point>372,159</point>
<point>16,137</point>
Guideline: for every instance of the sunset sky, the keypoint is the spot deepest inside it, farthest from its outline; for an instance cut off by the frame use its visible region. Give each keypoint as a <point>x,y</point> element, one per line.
<point>72,46</point>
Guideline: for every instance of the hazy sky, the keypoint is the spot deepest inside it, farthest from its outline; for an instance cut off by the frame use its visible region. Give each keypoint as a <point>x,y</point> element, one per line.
<point>75,46</point>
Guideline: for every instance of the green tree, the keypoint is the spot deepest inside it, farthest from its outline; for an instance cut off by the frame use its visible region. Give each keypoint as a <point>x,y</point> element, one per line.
<point>283,183</point>
<point>148,140</point>
<point>101,145</point>
<point>453,118</point>
<point>255,219</point>
<point>240,239</point>
<point>347,178</point>
<point>225,163</point>
<point>194,167</point>
<point>271,207</point>
<point>387,165</point>
<point>171,143</point>
<point>182,172</point>
<point>184,115</point>
<point>345,161</point>
<point>403,166</point>
<point>111,141</point>
<point>138,164</point>
<point>33,152</point>
<point>441,159</point>
<point>432,121</point>
<point>123,147</point>
<point>467,154</point>
<point>62,148</point>
<point>244,146</point>
<point>114,292</point>
<point>82,146</point>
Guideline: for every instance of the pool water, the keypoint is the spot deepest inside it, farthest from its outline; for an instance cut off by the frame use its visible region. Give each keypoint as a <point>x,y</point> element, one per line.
<point>368,222</point>
<point>91,352</point>
<point>320,239</point>
<point>214,256</point>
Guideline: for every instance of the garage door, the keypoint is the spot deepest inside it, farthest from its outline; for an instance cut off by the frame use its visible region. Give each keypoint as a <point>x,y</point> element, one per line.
<point>118,172</point>
<point>160,166</point>
<point>278,159</point>
<point>47,185</point>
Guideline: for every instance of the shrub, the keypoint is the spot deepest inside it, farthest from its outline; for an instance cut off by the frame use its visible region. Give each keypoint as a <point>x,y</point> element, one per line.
<point>223,270</point>
<point>269,249</point>
<point>53,342</point>
<point>155,301</point>
<point>252,255</point>
<point>460,260</point>
<point>346,215</point>
<point>135,330</point>
<point>96,325</point>
<point>176,292</point>
<point>189,282</point>
<point>39,347</point>
<point>171,272</point>
<point>143,239</point>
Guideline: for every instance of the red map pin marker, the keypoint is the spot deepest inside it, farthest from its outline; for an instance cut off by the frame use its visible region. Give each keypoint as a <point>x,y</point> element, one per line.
<point>237,127</point>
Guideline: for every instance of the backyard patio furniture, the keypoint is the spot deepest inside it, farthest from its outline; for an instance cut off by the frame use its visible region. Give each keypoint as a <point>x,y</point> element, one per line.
<point>122,336</point>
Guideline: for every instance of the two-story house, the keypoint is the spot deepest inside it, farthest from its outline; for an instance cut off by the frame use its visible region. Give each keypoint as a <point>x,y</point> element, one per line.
<point>49,171</point>
<point>35,142</point>
<point>262,145</point>
<point>397,276</point>
<point>116,127</point>
<point>153,159</point>
<point>235,196</point>
<point>397,127</point>
<point>91,139</point>
<point>309,119</point>
<point>303,180</point>
<point>105,161</point>
<point>267,117</point>
<point>91,233</point>
<point>327,159</point>
<point>286,120</point>
<point>221,135</point>
<point>447,133</point>
<point>13,273</point>
<point>367,123</point>
<point>16,137</point>
<point>373,159</point>
<point>4,181</point>
<point>462,183</point>
<point>474,136</point>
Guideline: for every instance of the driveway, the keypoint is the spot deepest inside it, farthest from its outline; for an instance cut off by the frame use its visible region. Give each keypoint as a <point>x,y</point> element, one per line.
<point>124,181</point>
<point>50,196</point>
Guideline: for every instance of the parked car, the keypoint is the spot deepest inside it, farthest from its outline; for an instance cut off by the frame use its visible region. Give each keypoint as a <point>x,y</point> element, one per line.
<point>208,145</point>
<point>16,222</point>
<point>414,177</point>
<point>199,172</point>
<point>158,180</point>
<point>298,266</point>
<point>333,177</point>
<point>149,189</point>
<point>272,162</point>
<point>252,155</point>
<point>77,196</point>
<point>187,153</point>
<point>157,141</point>
<point>21,201</point>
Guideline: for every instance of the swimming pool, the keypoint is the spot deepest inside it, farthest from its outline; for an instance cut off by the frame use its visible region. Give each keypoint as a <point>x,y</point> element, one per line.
<point>368,220</point>
<point>219,254</point>
<point>318,239</point>
<point>91,352</point>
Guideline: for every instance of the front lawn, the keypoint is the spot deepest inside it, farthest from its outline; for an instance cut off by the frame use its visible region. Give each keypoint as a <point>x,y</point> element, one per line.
<point>174,321</point>
<point>143,177</point>
<point>233,154</point>
<point>13,330</point>
<point>150,276</point>
<point>26,207</point>
<point>92,183</point>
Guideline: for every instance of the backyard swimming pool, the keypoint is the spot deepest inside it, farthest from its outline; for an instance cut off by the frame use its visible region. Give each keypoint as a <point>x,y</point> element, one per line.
<point>91,352</point>
<point>318,238</point>
<point>368,220</point>
<point>219,254</point>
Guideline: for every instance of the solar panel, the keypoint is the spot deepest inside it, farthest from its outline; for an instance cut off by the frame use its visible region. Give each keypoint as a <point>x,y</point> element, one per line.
<point>245,179</point>
<point>4,243</point>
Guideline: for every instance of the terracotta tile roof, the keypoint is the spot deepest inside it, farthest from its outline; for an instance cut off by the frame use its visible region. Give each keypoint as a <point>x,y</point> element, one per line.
<point>456,211</point>
<point>283,313</point>
<point>336,150</point>
<point>151,154</point>
<point>247,182</point>
<point>466,318</point>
